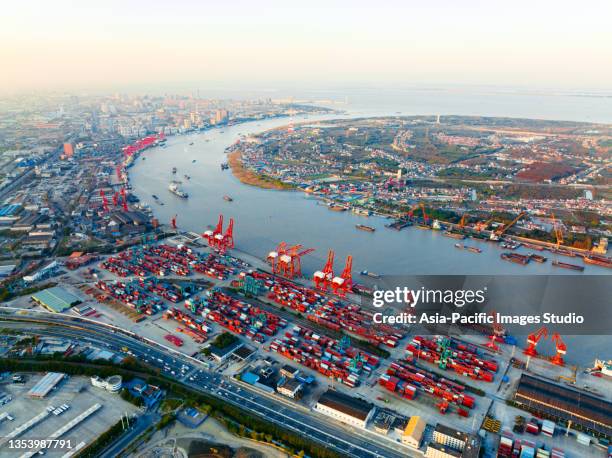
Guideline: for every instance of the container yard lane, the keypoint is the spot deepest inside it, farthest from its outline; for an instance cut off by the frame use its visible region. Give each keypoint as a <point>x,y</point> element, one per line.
<point>348,441</point>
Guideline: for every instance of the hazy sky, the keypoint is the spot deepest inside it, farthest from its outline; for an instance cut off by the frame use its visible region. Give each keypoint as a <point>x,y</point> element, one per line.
<point>87,44</point>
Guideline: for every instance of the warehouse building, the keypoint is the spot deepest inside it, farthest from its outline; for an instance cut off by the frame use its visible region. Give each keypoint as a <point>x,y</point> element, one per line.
<point>413,434</point>
<point>344,408</point>
<point>290,387</point>
<point>56,299</point>
<point>565,404</point>
<point>46,384</point>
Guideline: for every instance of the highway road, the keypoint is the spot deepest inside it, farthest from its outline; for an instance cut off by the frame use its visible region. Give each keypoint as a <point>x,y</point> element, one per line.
<point>348,441</point>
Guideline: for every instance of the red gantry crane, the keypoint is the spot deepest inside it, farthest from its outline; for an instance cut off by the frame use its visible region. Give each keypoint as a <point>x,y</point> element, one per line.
<point>497,335</point>
<point>290,264</point>
<point>533,339</point>
<point>561,350</point>
<point>124,199</point>
<point>115,199</point>
<point>322,278</point>
<point>273,256</point>
<point>104,201</point>
<point>344,283</point>
<point>219,241</point>
<point>173,222</point>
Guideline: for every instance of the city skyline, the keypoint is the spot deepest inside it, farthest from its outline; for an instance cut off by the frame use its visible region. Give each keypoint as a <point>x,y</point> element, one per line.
<point>113,46</point>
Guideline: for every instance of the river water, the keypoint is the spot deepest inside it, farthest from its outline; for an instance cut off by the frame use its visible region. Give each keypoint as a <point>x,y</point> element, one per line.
<point>263,218</point>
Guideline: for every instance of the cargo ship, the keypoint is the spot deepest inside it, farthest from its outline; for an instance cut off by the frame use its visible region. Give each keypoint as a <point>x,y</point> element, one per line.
<point>473,249</point>
<point>228,198</point>
<point>516,258</point>
<point>399,225</point>
<point>538,258</point>
<point>174,189</point>
<point>369,274</point>
<point>532,246</point>
<point>565,265</point>
<point>337,208</point>
<point>363,227</point>
<point>453,235</point>
<point>598,261</point>
<point>570,254</point>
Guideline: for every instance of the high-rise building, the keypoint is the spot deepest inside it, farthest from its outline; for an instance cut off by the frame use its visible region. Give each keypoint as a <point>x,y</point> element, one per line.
<point>221,116</point>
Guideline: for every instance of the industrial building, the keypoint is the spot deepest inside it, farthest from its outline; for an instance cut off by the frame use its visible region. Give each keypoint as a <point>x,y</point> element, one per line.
<point>46,384</point>
<point>413,434</point>
<point>344,408</point>
<point>435,450</point>
<point>56,299</point>
<point>562,403</point>
<point>290,387</point>
<point>112,383</point>
<point>447,440</point>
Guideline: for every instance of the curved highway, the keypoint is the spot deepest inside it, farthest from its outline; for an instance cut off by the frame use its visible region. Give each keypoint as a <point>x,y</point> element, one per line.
<point>188,371</point>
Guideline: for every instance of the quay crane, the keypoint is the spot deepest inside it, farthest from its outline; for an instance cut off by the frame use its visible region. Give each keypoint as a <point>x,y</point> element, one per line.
<point>532,341</point>
<point>173,222</point>
<point>274,256</point>
<point>561,350</point>
<point>322,278</point>
<point>290,264</point>
<point>219,241</point>
<point>497,334</point>
<point>124,200</point>
<point>501,231</point>
<point>344,283</point>
<point>104,201</point>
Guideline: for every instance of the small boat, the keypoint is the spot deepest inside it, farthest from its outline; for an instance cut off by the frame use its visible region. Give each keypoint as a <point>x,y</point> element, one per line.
<point>367,273</point>
<point>193,161</point>
<point>191,144</point>
<point>143,158</point>
<point>224,166</point>
<point>337,208</point>
<point>472,249</point>
<point>228,198</point>
<point>173,169</point>
<point>566,265</point>
<point>155,197</point>
<point>538,258</point>
<point>363,227</point>
<point>187,177</point>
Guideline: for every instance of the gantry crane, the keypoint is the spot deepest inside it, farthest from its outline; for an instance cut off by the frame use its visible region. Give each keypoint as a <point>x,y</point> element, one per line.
<point>561,350</point>
<point>104,201</point>
<point>115,199</point>
<point>344,283</point>
<point>273,256</point>
<point>322,278</point>
<point>532,341</point>
<point>124,200</point>
<point>463,219</point>
<point>173,222</point>
<point>497,334</point>
<point>290,264</point>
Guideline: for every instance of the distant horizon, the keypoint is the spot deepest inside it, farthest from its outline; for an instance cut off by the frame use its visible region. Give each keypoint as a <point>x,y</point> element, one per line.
<point>116,45</point>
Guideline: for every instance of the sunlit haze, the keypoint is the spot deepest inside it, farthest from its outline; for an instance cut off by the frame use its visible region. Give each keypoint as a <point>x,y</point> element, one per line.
<point>63,45</point>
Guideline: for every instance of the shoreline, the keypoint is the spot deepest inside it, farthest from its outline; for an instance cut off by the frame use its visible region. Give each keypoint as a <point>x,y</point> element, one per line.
<point>248,177</point>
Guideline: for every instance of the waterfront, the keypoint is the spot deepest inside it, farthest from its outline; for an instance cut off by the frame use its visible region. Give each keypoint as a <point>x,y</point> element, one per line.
<point>264,218</point>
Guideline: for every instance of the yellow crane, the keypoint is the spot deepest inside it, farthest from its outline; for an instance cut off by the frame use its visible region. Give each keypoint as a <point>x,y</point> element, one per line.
<point>503,229</point>
<point>557,230</point>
